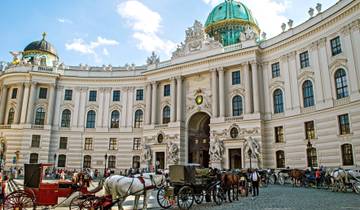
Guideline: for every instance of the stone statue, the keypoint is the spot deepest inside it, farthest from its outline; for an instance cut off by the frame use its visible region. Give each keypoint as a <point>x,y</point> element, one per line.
<point>36,61</point>
<point>216,150</point>
<point>252,144</point>
<point>15,55</point>
<point>153,59</point>
<point>173,152</point>
<point>146,153</point>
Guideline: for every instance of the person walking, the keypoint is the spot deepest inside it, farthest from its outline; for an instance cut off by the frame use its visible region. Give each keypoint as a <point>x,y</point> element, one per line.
<point>318,177</point>
<point>255,179</point>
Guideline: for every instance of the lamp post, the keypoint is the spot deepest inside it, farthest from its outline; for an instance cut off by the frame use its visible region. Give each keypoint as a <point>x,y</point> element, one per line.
<point>250,154</point>
<point>309,147</point>
<point>55,155</point>
<point>106,156</point>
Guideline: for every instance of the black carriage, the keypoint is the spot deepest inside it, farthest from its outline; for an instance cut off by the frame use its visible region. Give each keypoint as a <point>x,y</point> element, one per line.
<point>188,184</point>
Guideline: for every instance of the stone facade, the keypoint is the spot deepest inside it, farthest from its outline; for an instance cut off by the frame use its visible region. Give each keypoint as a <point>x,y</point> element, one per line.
<point>200,69</point>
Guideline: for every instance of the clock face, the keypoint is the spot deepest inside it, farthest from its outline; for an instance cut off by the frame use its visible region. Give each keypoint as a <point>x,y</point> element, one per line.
<point>199,100</point>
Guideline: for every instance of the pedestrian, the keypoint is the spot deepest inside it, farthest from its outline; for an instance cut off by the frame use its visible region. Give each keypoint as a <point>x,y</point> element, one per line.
<point>255,179</point>
<point>317,177</point>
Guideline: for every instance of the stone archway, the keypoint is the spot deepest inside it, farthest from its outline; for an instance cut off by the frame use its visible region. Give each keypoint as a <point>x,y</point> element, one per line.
<point>199,139</point>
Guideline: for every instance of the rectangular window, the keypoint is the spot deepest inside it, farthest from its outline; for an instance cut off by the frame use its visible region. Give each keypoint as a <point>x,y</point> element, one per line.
<point>139,94</point>
<point>275,69</point>
<point>14,93</point>
<point>116,95</point>
<point>166,90</point>
<point>113,144</point>
<point>236,78</point>
<point>68,95</point>
<point>304,60</point>
<point>63,143</point>
<point>344,124</point>
<point>88,143</point>
<point>335,46</point>
<point>92,95</point>
<point>137,144</point>
<point>309,130</point>
<point>279,134</point>
<point>43,93</point>
<point>35,141</point>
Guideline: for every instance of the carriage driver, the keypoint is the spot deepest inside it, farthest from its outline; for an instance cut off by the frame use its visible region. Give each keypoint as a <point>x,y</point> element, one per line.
<point>255,179</point>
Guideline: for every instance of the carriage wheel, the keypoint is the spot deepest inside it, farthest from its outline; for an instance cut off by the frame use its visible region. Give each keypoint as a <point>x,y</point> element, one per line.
<point>185,197</point>
<point>163,199</point>
<point>356,187</point>
<point>218,195</point>
<point>199,198</point>
<point>19,200</point>
<point>91,203</point>
<point>76,202</point>
<point>272,179</point>
<point>281,180</point>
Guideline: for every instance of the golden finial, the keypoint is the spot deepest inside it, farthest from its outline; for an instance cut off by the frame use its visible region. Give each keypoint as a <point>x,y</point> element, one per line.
<point>44,35</point>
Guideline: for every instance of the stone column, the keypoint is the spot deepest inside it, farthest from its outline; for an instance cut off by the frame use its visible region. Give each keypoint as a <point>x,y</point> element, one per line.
<point>255,86</point>
<point>315,63</point>
<point>124,93</point>
<point>214,92</point>
<point>100,101</point>
<point>247,88</point>
<point>148,104</point>
<point>266,73</point>
<point>83,99</point>
<point>178,98</point>
<point>130,107</point>
<point>221,92</point>
<point>25,102</point>
<point>3,102</point>
<point>295,101</point>
<point>324,69</point>
<point>30,115</point>
<point>75,115</point>
<point>58,99</point>
<point>173,100</point>
<point>51,105</point>
<point>285,70</point>
<point>106,112</point>
<point>19,100</point>
<point>153,103</point>
<point>355,37</point>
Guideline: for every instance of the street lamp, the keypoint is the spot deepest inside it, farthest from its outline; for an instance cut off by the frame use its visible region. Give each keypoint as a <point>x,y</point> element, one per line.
<point>55,160</point>
<point>106,156</point>
<point>250,154</point>
<point>309,150</point>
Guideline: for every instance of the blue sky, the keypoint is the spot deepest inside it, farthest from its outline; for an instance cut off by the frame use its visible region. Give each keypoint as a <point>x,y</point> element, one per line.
<point>117,32</point>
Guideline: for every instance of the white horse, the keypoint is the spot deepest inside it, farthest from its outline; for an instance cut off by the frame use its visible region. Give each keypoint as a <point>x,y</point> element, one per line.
<point>120,187</point>
<point>339,178</point>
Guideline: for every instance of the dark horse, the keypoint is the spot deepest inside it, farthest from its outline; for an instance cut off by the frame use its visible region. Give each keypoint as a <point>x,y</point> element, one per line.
<point>297,176</point>
<point>230,182</point>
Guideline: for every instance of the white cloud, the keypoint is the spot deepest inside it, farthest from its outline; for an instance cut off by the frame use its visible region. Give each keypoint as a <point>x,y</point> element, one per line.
<point>268,13</point>
<point>146,25</point>
<point>79,45</point>
<point>64,20</point>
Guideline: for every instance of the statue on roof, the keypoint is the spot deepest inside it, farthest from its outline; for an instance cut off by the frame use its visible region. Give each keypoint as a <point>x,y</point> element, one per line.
<point>153,59</point>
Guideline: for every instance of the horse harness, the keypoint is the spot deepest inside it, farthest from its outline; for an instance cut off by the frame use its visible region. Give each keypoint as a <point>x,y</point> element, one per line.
<point>142,181</point>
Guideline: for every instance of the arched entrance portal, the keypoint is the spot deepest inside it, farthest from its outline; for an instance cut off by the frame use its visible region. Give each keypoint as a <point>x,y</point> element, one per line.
<point>199,139</point>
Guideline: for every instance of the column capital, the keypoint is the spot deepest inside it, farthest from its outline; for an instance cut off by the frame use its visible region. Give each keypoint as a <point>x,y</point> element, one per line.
<point>322,42</point>
<point>355,25</point>
<point>147,84</point>
<point>345,30</point>
<point>245,64</point>
<point>5,86</point>
<point>313,46</point>
<point>253,62</point>
<point>76,88</point>
<point>220,69</point>
<point>292,55</point>
<point>34,83</point>
<point>154,83</point>
<point>266,63</point>
<point>27,84</point>
<point>179,77</point>
<point>173,78</point>
<point>213,70</point>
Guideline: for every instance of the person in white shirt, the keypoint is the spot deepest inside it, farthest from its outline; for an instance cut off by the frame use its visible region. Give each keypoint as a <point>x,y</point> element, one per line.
<point>255,179</point>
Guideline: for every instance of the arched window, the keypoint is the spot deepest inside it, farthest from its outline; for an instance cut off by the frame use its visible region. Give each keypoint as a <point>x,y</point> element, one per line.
<point>138,118</point>
<point>278,101</point>
<point>11,116</point>
<point>87,161</point>
<point>90,120</point>
<point>115,118</point>
<point>341,84</point>
<point>237,106</point>
<point>62,161</point>
<point>347,155</point>
<point>65,118</point>
<point>111,161</point>
<point>280,159</point>
<point>34,157</point>
<point>308,93</point>
<point>136,162</point>
<point>311,157</point>
<point>40,116</point>
<point>166,115</point>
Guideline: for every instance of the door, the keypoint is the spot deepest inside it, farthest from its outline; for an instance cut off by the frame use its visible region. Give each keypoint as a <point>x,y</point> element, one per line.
<point>235,158</point>
<point>160,159</point>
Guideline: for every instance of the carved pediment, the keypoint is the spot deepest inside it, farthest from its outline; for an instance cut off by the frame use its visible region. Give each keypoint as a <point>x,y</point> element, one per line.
<point>276,84</point>
<point>338,62</point>
<point>237,91</point>
<point>115,107</point>
<point>304,75</point>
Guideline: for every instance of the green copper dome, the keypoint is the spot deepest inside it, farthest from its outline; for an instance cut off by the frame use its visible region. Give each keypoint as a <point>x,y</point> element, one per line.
<point>42,46</point>
<point>227,20</point>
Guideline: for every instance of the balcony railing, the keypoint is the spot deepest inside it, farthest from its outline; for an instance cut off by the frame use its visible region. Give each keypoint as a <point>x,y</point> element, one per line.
<point>161,126</point>
<point>37,126</point>
<point>232,119</point>
<point>5,126</point>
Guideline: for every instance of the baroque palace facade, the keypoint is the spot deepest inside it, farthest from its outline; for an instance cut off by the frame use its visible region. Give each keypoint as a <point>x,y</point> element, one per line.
<point>227,98</point>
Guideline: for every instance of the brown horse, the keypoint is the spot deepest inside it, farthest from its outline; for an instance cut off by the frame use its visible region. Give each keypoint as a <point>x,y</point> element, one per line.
<point>82,179</point>
<point>230,182</point>
<point>297,176</point>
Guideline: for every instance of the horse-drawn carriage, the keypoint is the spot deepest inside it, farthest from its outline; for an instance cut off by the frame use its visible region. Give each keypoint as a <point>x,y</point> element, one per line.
<point>40,192</point>
<point>188,184</point>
